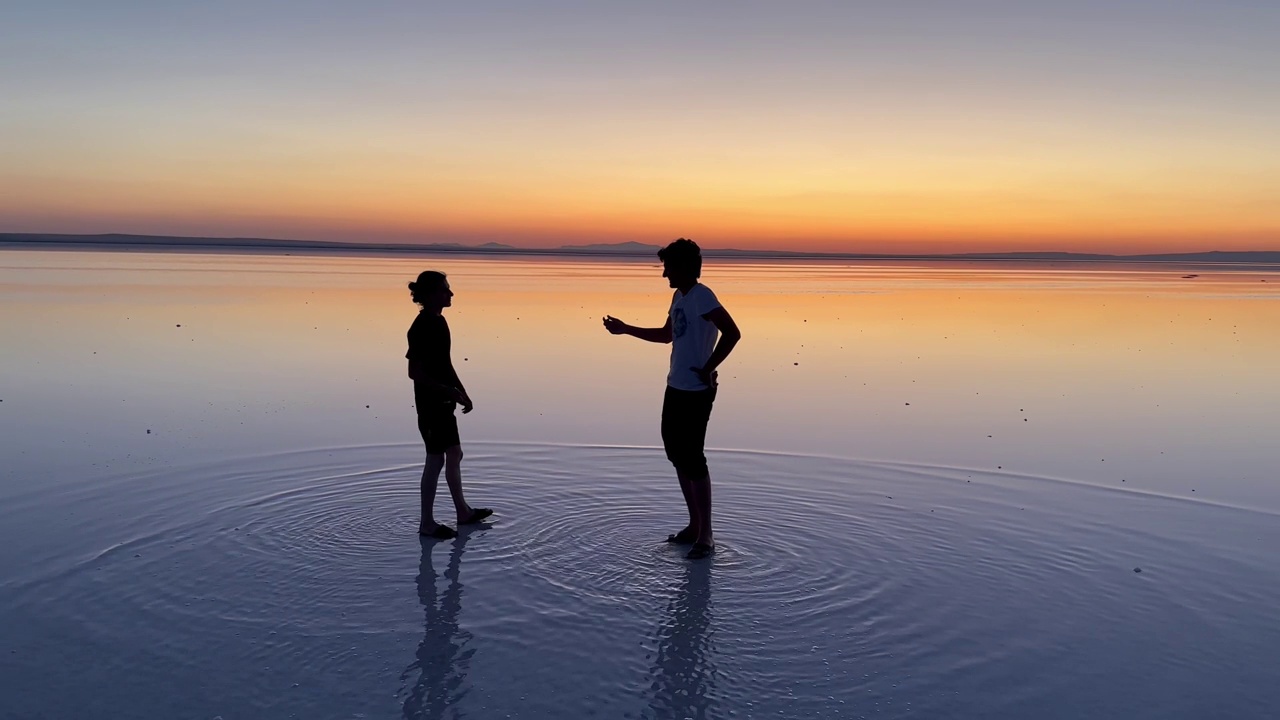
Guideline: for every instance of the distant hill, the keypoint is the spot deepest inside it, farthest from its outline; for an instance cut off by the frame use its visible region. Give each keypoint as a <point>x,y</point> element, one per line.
<point>177,242</point>
<point>154,243</point>
<point>636,248</point>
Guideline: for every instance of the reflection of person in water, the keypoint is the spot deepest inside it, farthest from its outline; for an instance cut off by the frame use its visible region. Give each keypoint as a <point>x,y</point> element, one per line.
<point>442,659</point>
<point>694,319</point>
<point>436,392</point>
<point>683,672</point>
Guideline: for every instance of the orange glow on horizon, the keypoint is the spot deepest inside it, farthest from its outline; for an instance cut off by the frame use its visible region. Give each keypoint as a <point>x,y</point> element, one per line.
<point>1072,198</point>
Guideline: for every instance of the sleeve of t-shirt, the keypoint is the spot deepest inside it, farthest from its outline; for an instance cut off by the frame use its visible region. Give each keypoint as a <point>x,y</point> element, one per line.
<point>412,337</point>
<point>422,336</point>
<point>707,301</point>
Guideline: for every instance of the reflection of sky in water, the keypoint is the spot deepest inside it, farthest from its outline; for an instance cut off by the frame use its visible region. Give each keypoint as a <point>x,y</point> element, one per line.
<point>211,471</point>
<point>292,585</point>
<point>1099,375</point>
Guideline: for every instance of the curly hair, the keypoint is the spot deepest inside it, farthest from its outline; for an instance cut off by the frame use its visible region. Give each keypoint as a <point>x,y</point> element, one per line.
<point>683,253</point>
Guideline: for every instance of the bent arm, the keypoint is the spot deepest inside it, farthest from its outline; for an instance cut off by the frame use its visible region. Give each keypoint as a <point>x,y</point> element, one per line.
<point>729,337</point>
<point>457,381</point>
<point>654,335</point>
<point>421,377</point>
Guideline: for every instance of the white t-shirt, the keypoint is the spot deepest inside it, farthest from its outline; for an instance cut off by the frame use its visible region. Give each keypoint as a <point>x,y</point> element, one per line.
<point>693,337</point>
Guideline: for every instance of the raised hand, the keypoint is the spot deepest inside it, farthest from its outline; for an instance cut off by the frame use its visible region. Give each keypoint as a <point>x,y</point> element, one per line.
<point>614,325</point>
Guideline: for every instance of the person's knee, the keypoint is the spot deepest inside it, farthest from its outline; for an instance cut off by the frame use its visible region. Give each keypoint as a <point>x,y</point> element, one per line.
<point>693,468</point>
<point>454,454</point>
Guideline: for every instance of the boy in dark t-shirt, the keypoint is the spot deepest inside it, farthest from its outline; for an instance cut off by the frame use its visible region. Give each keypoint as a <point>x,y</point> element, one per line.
<point>694,320</point>
<point>437,390</point>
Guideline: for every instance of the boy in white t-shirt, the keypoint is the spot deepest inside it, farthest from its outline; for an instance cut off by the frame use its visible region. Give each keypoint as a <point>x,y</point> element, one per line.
<point>693,321</point>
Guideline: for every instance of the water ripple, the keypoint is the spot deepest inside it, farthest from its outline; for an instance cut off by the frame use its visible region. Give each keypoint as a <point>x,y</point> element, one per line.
<point>295,584</point>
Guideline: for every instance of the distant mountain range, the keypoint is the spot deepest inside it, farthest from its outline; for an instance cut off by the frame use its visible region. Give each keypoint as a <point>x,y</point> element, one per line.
<point>33,241</point>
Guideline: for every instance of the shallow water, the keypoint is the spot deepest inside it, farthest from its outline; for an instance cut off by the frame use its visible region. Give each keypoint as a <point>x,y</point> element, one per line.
<point>292,585</point>
<point>1073,517</point>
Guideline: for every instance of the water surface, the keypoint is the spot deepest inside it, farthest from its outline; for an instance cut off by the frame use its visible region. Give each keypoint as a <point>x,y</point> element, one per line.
<point>942,492</point>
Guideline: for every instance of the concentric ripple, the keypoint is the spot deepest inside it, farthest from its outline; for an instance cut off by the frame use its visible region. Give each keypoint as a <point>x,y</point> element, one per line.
<point>295,584</point>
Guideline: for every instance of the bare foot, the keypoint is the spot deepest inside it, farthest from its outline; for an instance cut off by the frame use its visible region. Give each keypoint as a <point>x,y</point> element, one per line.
<point>684,537</point>
<point>477,514</point>
<point>439,532</point>
<point>701,550</point>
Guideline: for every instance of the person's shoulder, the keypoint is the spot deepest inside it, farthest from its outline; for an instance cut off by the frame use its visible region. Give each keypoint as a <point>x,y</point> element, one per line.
<point>428,322</point>
<point>706,294</point>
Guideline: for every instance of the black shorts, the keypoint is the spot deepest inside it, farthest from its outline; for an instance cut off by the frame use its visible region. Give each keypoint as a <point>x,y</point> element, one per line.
<point>436,422</point>
<point>685,414</point>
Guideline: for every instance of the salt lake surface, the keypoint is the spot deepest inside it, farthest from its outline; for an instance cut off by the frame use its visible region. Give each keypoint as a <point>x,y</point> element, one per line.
<point>942,491</point>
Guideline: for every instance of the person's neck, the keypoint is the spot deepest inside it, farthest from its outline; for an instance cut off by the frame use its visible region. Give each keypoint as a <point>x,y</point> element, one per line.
<point>432,310</point>
<point>684,289</point>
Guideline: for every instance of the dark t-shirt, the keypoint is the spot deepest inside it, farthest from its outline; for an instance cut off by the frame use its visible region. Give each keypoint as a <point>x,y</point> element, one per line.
<point>429,344</point>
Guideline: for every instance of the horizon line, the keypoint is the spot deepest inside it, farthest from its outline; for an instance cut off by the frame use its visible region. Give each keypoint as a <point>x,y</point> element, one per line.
<point>630,248</point>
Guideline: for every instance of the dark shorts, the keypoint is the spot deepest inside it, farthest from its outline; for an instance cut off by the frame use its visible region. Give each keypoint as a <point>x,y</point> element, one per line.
<point>436,422</point>
<point>685,414</point>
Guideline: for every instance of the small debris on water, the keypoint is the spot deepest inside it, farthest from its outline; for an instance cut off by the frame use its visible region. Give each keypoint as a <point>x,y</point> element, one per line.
<point>148,431</point>
<point>1138,570</point>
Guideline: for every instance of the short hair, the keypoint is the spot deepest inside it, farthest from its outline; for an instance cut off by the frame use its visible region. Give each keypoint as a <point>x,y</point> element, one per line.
<point>683,253</point>
<point>428,282</point>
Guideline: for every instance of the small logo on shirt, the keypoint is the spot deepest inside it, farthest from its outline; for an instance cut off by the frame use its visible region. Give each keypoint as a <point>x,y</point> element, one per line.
<point>678,322</point>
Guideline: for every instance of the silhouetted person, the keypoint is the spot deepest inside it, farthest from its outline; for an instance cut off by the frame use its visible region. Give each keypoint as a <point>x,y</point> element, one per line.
<point>441,660</point>
<point>436,392</point>
<point>683,676</point>
<point>693,320</point>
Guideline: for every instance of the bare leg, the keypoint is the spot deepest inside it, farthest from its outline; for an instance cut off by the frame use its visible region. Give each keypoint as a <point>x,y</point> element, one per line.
<point>430,479</point>
<point>690,532</point>
<point>702,507</point>
<point>453,476</point>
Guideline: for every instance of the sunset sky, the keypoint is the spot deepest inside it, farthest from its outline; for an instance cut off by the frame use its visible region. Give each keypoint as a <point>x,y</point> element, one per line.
<point>1119,126</point>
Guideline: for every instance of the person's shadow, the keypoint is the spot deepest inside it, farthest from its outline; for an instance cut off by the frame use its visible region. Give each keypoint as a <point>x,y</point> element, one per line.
<point>442,659</point>
<point>684,672</point>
